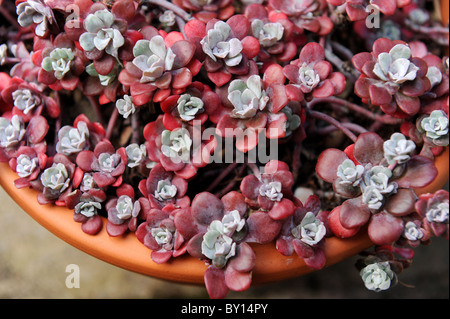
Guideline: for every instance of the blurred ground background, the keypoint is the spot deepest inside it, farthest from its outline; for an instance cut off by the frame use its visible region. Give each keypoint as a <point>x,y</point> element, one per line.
<point>33,265</point>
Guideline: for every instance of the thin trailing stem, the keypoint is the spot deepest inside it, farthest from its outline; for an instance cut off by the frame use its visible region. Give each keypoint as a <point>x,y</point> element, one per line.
<point>233,183</point>
<point>170,6</point>
<point>4,12</point>
<point>112,123</point>
<point>352,126</point>
<point>96,107</point>
<point>221,176</point>
<point>325,117</point>
<point>385,119</point>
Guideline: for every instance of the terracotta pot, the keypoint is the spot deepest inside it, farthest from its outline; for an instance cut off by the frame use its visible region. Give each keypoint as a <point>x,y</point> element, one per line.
<point>127,252</point>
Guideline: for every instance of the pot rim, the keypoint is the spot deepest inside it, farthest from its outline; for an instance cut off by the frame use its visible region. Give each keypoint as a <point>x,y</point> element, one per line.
<point>127,252</point>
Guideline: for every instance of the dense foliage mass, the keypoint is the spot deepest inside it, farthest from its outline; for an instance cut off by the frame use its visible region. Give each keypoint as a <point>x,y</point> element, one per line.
<point>156,117</point>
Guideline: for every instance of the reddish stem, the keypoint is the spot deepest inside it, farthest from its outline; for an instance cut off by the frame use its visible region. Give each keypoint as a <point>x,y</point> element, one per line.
<point>325,117</point>
<point>112,123</point>
<point>385,119</point>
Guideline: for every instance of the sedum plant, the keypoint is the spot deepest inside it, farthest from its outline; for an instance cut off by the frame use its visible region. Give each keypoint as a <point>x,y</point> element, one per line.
<point>205,128</point>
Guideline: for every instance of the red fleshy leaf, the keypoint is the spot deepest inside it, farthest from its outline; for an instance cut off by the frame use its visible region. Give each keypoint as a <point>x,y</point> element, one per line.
<point>328,163</point>
<point>104,65</point>
<point>282,209</point>
<point>206,207</point>
<point>237,281</point>
<point>369,148</point>
<point>302,250</point>
<point>250,46</point>
<point>261,228</point>
<point>215,283</point>
<point>385,228</point>
<point>245,260</point>
<point>401,203</point>
<point>184,52</point>
<point>93,225</point>
<point>161,257</point>
<point>312,52</point>
<point>420,172</point>
<point>37,129</point>
<point>116,230</point>
<point>336,227</point>
<point>318,260</point>
<point>379,95</point>
<point>354,213</point>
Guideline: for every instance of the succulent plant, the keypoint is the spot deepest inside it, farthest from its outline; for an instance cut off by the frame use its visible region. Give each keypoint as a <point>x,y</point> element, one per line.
<point>26,165</point>
<point>217,44</point>
<point>73,140</point>
<point>349,173</point>
<point>102,33</point>
<point>312,76</point>
<point>435,127</point>
<point>247,97</point>
<point>398,149</point>
<point>392,77</point>
<point>271,191</point>
<point>106,163</point>
<point>32,12</point>
<point>217,246</point>
<point>136,154</point>
<point>188,106</point>
<point>378,276</point>
<point>311,230</point>
<point>58,62</point>
<point>188,75</point>
<point>11,131</point>
<point>176,145</point>
<point>125,106</point>
<point>25,100</point>
<point>153,58</point>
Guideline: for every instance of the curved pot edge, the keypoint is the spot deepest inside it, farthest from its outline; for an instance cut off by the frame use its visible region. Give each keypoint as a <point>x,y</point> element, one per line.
<point>128,253</point>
